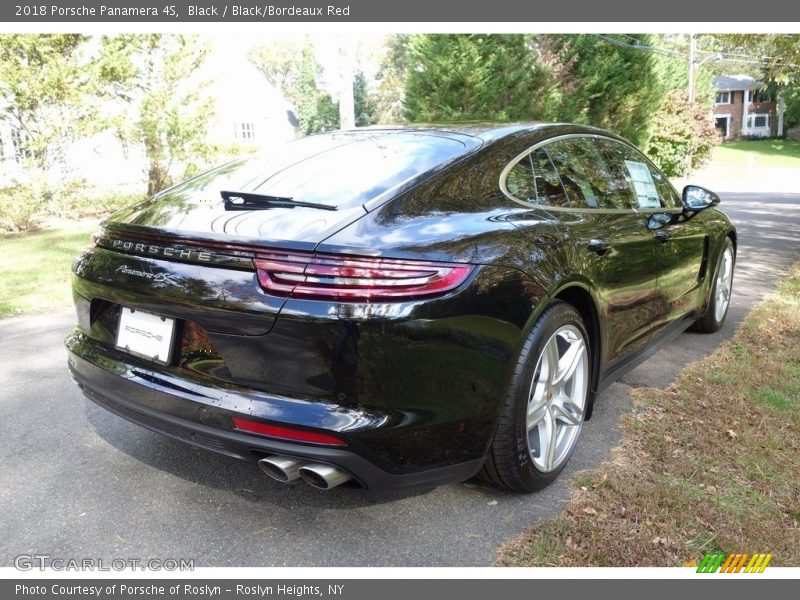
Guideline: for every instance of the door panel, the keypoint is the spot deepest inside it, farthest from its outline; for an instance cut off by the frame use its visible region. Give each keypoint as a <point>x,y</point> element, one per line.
<point>615,250</point>
<point>680,249</point>
<point>624,276</point>
<point>680,245</point>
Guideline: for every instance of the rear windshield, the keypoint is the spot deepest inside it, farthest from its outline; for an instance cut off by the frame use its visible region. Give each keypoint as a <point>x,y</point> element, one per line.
<point>347,169</point>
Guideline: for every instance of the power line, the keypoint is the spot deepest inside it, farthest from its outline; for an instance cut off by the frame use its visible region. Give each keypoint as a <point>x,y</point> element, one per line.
<point>727,57</point>
<point>639,46</point>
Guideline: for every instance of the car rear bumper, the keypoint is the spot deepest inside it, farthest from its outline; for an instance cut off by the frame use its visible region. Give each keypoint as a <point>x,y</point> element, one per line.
<point>199,413</point>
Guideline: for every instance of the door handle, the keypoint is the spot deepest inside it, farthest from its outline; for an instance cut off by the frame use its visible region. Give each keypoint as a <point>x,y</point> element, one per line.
<point>599,245</point>
<point>663,236</point>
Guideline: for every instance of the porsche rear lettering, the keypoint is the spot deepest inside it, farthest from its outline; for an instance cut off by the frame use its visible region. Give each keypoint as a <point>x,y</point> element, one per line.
<point>162,251</point>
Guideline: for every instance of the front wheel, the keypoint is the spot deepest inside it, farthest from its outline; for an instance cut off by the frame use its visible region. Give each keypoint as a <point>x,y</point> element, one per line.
<point>720,292</point>
<point>545,406</point>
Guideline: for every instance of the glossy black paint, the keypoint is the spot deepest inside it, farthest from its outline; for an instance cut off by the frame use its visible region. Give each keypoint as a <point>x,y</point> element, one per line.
<point>414,387</point>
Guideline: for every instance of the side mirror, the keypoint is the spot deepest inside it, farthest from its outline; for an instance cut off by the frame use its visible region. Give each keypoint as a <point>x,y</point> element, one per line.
<point>696,198</point>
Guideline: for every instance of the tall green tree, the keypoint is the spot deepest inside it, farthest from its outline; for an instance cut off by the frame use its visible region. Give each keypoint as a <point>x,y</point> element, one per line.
<point>575,78</point>
<point>391,78</point>
<point>365,107</point>
<point>293,69</point>
<point>473,77</point>
<point>317,111</point>
<point>168,115</point>
<point>608,85</point>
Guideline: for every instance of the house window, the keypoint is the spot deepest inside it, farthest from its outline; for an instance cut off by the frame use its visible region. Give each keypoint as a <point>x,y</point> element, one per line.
<point>245,131</point>
<point>757,121</point>
<point>723,98</point>
<point>18,148</point>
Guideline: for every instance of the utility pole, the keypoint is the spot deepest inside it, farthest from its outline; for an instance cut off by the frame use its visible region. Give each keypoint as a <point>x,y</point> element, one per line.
<point>692,51</point>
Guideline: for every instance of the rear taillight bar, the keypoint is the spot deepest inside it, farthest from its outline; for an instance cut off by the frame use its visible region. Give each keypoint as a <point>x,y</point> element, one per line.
<point>286,433</point>
<point>328,276</point>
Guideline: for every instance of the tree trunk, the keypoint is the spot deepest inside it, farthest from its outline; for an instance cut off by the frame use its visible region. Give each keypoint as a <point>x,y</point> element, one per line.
<point>347,112</point>
<point>158,178</point>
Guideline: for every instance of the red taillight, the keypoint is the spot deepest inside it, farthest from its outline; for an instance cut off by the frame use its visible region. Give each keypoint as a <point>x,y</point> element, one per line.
<point>286,433</point>
<point>349,278</point>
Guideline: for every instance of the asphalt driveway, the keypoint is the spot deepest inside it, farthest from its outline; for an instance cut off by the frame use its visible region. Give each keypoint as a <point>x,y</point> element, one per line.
<point>78,481</point>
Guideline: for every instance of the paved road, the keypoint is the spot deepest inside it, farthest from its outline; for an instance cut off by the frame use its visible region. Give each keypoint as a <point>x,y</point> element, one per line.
<point>78,481</point>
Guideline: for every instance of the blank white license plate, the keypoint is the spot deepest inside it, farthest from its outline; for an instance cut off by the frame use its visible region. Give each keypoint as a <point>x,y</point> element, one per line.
<point>146,335</point>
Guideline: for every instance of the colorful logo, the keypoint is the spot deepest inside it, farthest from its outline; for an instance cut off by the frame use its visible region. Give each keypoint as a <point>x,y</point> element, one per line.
<point>714,562</point>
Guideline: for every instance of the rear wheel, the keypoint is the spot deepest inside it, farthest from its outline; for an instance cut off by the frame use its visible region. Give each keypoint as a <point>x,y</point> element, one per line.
<point>720,292</point>
<point>544,409</point>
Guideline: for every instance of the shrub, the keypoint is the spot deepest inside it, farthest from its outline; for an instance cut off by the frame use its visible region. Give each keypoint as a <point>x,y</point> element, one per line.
<point>22,202</point>
<point>684,135</point>
<point>19,207</point>
<point>83,205</point>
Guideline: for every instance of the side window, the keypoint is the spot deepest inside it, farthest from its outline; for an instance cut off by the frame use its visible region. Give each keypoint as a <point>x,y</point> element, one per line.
<point>534,179</point>
<point>589,179</point>
<point>650,186</point>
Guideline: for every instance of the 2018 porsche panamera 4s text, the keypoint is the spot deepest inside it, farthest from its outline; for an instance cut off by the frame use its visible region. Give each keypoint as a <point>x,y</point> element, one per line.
<point>397,307</point>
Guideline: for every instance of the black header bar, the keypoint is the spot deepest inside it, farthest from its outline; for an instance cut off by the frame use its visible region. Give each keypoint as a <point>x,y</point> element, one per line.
<point>441,11</point>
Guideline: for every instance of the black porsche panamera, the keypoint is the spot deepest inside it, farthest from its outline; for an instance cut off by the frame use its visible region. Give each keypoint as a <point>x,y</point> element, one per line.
<point>397,307</point>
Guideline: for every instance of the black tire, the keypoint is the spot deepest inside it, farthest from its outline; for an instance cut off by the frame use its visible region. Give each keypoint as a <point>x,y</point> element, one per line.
<point>709,323</point>
<point>509,463</point>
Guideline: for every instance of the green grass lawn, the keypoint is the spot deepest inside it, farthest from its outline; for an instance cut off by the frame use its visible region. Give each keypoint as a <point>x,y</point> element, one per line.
<point>35,268</point>
<point>759,153</point>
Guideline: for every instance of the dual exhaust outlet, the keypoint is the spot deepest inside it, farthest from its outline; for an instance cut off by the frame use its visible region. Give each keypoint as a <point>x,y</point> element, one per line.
<point>318,475</point>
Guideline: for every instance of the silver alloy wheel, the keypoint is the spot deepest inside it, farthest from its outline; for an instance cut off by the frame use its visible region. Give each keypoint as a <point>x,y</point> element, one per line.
<point>723,285</point>
<point>557,398</point>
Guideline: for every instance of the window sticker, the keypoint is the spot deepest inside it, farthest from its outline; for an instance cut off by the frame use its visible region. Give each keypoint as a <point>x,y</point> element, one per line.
<point>642,179</point>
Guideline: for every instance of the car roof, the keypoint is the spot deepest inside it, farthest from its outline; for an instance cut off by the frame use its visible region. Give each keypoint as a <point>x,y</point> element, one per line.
<point>481,132</point>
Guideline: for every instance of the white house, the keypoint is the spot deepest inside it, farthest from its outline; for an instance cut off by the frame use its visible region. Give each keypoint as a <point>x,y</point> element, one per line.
<point>249,112</point>
<point>745,107</point>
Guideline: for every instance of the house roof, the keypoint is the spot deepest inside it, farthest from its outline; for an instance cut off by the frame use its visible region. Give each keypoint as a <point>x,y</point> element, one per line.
<point>734,83</point>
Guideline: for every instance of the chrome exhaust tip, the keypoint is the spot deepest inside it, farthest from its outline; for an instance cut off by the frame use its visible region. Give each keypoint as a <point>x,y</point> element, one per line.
<point>323,477</point>
<point>281,468</point>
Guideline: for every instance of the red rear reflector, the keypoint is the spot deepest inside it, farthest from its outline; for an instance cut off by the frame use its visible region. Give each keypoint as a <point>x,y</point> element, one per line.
<point>349,278</point>
<point>286,433</point>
